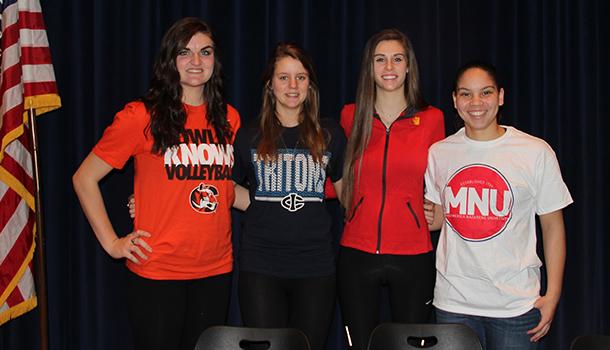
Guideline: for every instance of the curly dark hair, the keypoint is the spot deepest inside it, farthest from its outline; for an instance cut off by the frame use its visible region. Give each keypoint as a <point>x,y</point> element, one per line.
<point>164,97</point>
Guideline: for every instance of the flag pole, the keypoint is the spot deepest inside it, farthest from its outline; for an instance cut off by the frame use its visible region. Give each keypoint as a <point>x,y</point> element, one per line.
<point>40,268</point>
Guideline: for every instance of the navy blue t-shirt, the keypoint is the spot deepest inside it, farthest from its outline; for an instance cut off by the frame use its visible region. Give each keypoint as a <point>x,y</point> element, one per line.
<point>287,227</point>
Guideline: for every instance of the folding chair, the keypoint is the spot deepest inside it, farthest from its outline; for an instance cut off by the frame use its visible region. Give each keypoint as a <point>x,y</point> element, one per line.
<point>236,338</point>
<point>396,336</point>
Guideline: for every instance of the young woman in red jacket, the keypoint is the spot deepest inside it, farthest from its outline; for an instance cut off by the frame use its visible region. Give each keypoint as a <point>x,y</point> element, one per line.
<point>386,241</point>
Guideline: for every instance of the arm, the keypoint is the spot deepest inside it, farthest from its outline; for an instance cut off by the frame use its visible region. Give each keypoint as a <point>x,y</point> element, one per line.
<point>86,184</point>
<point>242,197</point>
<point>434,215</point>
<point>554,243</point>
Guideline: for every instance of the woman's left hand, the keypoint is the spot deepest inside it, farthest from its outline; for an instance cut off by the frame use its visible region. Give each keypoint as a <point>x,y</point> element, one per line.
<point>547,307</point>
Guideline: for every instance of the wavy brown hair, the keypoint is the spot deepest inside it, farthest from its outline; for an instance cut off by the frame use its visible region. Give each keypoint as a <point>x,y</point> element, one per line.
<point>365,105</point>
<point>164,97</point>
<point>311,134</point>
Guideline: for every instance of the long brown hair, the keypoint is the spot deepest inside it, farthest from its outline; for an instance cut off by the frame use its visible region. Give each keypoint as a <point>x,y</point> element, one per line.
<point>365,104</point>
<point>164,97</point>
<point>270,128</point>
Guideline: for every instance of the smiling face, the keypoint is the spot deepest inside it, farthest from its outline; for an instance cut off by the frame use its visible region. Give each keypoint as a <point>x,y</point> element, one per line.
<point>195,64</point>
<point>290,83</point>
<point>390,65</point>
<point>477,100</point>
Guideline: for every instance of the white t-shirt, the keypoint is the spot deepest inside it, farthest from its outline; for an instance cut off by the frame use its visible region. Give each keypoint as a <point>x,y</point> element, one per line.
<point>490,192</point>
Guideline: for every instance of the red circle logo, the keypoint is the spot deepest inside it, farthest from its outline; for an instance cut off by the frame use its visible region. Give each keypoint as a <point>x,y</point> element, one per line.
<point>204,199</point>
<point>478,202</point>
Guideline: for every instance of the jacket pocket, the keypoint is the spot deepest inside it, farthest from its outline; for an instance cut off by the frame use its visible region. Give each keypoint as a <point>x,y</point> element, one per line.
<point>355,209</point>
<point>413,213</point>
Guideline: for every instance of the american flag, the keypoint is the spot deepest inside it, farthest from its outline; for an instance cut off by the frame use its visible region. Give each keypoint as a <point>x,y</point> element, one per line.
<point>27,83</point>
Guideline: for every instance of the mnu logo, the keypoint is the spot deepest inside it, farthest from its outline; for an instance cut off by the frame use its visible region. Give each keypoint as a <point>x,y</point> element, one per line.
<point>478,202</point>
<point>293,202</point>
<point>204,199</point>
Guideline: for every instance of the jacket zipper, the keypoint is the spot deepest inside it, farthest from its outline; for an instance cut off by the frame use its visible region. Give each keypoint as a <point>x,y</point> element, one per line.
<point>383,187</point>
<point>413,213</point>
<point>355,208</point>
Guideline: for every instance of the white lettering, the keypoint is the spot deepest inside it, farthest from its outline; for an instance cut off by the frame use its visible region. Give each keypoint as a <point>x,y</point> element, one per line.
<point>171,156</point>
<point>300,172</point>
<point>202,154</point>
<point>481,203</point>
<point>189,154</point>
<point>269,173</point>
<point>288,158</point>
<point>467,200</point>
<point>505,206</point>
<point>259,170</point>
<point>457,201</point>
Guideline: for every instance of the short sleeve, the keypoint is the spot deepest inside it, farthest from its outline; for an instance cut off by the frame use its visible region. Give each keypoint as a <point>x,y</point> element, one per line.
<point>125,136</point>
<point>431,191</point>
<point>338,143</point>
<point>240,168</point>
<point>234,120</point>
<point>551,191</point>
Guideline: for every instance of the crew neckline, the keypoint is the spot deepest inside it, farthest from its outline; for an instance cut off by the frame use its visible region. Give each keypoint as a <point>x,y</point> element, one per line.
<point>194,106</point>
<point>501,138</point>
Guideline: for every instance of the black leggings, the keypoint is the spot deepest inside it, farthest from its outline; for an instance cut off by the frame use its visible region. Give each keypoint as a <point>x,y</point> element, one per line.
<point>360,276</point>
<point>171,314</point>
<point>307,304</point>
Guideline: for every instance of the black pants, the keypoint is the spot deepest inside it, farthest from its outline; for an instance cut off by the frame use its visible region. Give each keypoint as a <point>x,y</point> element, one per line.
<point>171,314</point>
<point>304,303</point>
<point>410,281</point>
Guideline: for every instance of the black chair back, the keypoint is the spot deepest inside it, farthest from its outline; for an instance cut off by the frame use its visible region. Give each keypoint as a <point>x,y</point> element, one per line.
<point>237,338</point>
<point>395,336</point>
<point>591,342</point>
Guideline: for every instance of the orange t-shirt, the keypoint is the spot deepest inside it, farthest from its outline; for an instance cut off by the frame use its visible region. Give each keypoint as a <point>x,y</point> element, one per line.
<point>183,198</point>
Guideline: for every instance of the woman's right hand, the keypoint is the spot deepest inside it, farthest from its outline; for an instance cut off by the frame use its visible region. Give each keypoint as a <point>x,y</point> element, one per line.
<point>131,204</point>
<point>131,246</point>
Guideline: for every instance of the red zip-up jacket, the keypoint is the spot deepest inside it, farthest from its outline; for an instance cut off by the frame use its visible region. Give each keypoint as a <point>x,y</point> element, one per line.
<point>388,213</point>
